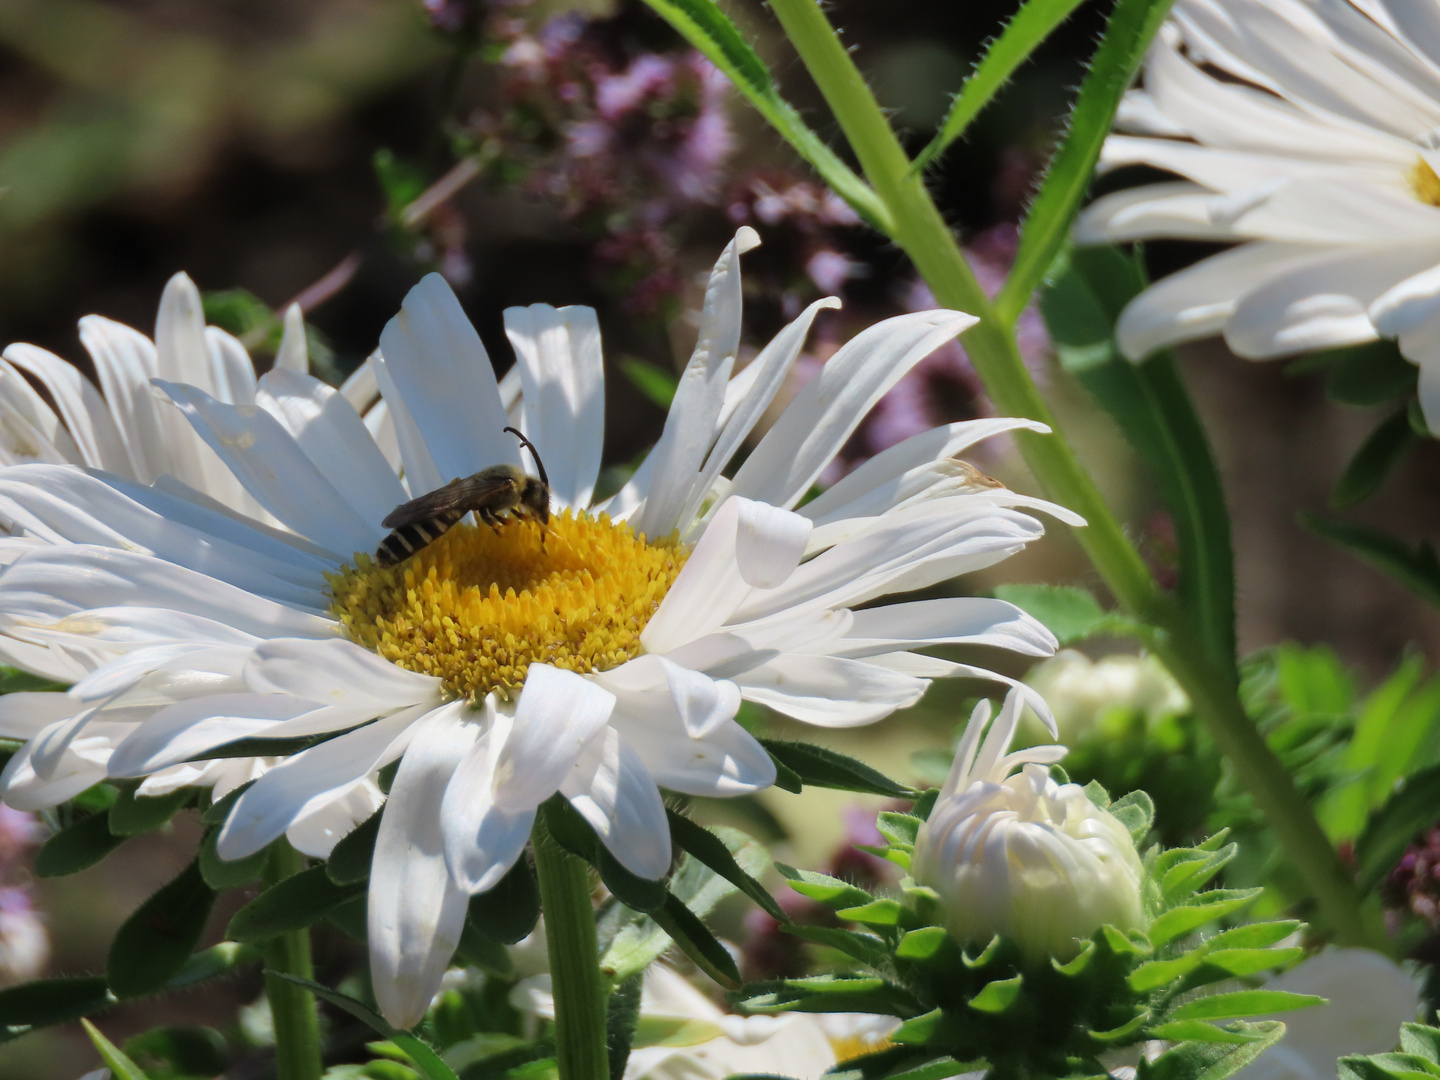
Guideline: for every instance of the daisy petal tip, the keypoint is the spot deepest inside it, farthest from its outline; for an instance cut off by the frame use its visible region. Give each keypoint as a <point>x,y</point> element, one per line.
<point>746,239</point>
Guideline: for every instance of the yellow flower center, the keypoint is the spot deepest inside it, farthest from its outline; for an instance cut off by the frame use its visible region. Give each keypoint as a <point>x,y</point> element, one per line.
<point>1425,183</point>
<point>478,606</point>
<point>849,1047</point>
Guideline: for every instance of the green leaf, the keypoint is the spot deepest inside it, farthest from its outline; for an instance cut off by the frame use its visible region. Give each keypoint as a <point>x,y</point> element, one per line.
<point>1370,374</point>
<point>1212,1060</point>
<point>1195,913</point>
<point>1071,614</point>
<point>882,912</point>
<point>998,995</point>
<point>422,1056</point>
<point>176,1052</point>
<point>1418,570</point>
<point>349,860</point>
<point>699,944</point>
<point>866,948</point>
<point>1128,33</point>
<point>707,28</point>
<point>1385,448</point>
<point>711,850</point>
<point>1200,1031</point>
<point>830,993</point>
<point>657,384</point>
<point>132,814</point>
<point>899,829</point>
<point>221,874</point>
<point>291,904</point>
<point>819,766</point>
<point>1136,811</point>
<point>509,911</point>
<point>575,835</point>
<point>121,1067</point>
<point>77,847</point>
<point>1409,811</point>
<point>1088,289</point>
<point>220,810</point>
<point>1422,1041</point>
<point>1387,1067</point>
<point>154,943</point>
<point>622,1016</point>
<point>53,1001</point>
<point>1241,1003</point>
<point>1032,24</point>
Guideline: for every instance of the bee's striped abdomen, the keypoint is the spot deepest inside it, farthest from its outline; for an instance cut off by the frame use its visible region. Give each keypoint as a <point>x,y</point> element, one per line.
<point>408,539</point>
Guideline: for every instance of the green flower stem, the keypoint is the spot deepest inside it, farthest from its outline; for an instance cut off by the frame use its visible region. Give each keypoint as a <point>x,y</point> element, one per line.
<point>297,1023</point>
<point>580,989</point>
<point>922,233</point>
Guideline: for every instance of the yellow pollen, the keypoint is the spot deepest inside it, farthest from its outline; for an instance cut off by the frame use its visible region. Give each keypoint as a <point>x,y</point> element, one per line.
<point>1425,183</point>
<point>478,606</point>
<point>848,1047</point>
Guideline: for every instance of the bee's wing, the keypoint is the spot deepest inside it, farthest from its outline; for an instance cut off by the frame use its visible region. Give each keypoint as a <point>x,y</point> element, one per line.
<point>463,495</point>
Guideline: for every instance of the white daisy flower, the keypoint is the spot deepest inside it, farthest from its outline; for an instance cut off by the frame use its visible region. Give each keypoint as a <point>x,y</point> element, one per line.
<point>1308,131</point>
<point>1022,855</point>
<point>603,658</point>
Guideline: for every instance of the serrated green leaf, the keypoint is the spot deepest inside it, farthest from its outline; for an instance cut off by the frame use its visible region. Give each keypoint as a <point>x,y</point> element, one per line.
<point>77,847</point>
<point>422,1056</point>
<point>121,1067</point>
<point>154,943</point>
<point>1254,935</point>
<point>1422,1041</point>
<point>1200,1031</point>
<point>711,850</point>
<point>882,912</point>
<point>707,28</point>
<point>899,829</point>
<point>1385,447</point>
<point>1189,875</point>
<point>1242,1003</point>
<point>1153,974</point>
<point>1388,1067</point>
<point>53,1001</point>
<point>1132,25</point>
<point>819,766</point>
<point>291,904</point>
<point>132,814</point>
<point>1212,1060</point>
<point>1202,909</point>
<point>1136,811</point>
<point>1032,24</point>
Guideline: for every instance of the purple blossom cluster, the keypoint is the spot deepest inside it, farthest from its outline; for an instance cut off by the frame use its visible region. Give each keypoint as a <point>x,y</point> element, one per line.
<point>625,139</point>
<point>24,944</point>
<point>1414,883</point>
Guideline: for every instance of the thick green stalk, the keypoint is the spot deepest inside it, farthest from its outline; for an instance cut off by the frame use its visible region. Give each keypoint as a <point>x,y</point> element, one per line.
<point>923,234</point>
<point>580,989</point>
<point>297,1024</point>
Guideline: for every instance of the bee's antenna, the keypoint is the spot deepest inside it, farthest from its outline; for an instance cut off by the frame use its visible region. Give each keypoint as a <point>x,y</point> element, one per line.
<point>533,453</point>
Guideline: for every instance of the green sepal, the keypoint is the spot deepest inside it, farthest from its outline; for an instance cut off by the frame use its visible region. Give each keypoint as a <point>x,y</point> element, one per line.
<point>154,943</point>
<point>1241,1003</point>
<point>883,912</point>
<point>291,904</point>
<point>824,889</point>
<point>1212,1060</point>
<point>866,948</point>
<point>899,829</point>
<point>998,996</point>
<point>829,993</point>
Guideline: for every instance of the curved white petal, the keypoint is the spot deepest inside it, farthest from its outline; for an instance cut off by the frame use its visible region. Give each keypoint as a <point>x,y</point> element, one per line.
<point>612,790</point>
<point>336,672</point>
<point>830,691</point>
<point>86,415</point>
<point>557,714</point>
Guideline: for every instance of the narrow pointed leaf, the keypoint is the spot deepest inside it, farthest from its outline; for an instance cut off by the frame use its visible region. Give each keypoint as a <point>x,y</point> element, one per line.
<point>349,860</point>
<point>711,850</point>
<point>1417,569</point>
<point>1391,828</point>
<point>77,847</point>
<point>1032,24</point>
<point>1242,1003</point>
<point>291,904</point>
<point>699,944</point>
<point>819,766</point>
<point>707,28</point>
<point>1133,23</point>
<point>1385,447</point>
<point>121,1067</point>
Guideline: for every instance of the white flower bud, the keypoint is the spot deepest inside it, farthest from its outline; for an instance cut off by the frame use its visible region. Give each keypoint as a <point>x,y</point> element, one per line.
<point>1082,691</point>
<point>1022,855</point>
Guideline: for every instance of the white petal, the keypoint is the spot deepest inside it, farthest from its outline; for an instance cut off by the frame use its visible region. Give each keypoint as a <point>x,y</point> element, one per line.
<point>830,691</point>
<point>276,471</point>
<point>959,620</point>
<point>766,374</point>
<point>190,728</point>
<point>294,354</point>
<point>612,790</point>
<point>301,784</point>
<point>482,840</point>
<point>84,410</point>
<point>317,833</point>
<point>726,763</point>
<point>445,380</point>
<point>419,468</point>
<point>30,429</point>
<point>236,371</point>
<point>556,716</point>
<point>125,362</point>
<point>690,424</point>
<point>562,371</point>
<point>830,407</point>
<point>23,714</point>
<point>336,672</point>
<point>701,703</point>
<point>331,434</point>
<point>416,910</point>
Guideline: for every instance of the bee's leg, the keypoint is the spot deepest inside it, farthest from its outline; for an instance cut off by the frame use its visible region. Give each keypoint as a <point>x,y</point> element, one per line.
<point>489,517</point>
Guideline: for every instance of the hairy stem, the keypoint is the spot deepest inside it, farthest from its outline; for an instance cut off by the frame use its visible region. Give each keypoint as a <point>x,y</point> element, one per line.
<point>922,233</point>
<point>580,989</point>
<point>297,1024</point>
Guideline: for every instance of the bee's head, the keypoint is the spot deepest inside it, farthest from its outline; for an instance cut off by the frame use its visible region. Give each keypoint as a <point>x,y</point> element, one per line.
<point>535,497</point>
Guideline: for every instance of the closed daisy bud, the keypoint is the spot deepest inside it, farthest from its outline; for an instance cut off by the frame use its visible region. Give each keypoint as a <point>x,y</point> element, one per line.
<point>1021,855</point>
